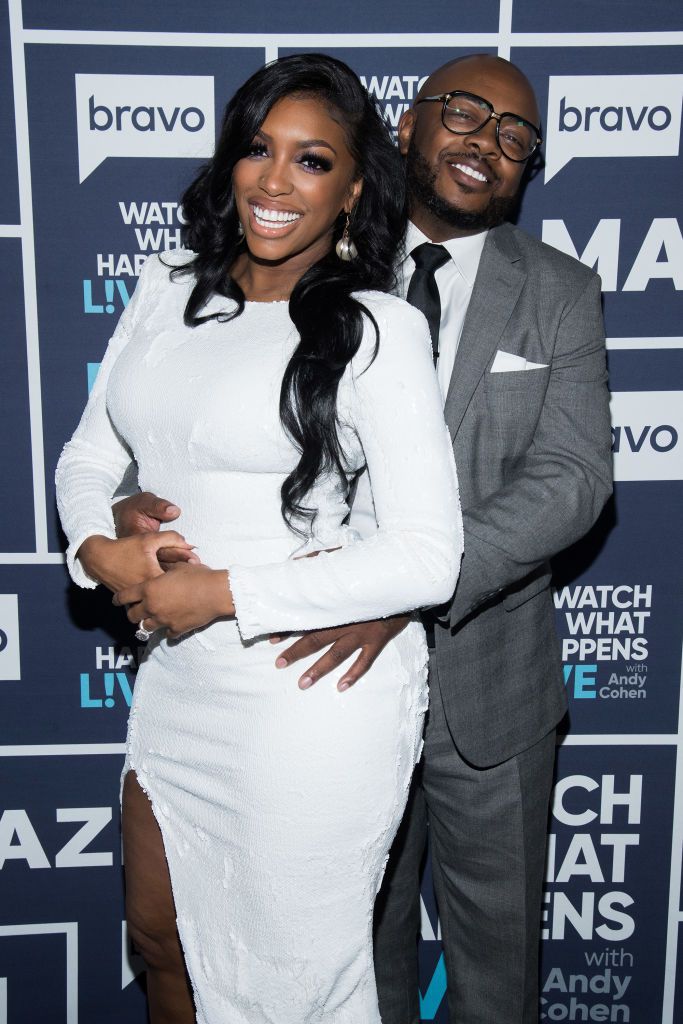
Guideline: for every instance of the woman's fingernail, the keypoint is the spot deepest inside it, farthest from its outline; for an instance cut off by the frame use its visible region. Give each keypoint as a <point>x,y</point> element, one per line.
<point>343,685</point>
<point>281,663</point>
<point>305,682</point>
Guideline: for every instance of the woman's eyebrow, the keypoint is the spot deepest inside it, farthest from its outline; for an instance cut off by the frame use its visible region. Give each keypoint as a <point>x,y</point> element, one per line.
<point>302,144</point>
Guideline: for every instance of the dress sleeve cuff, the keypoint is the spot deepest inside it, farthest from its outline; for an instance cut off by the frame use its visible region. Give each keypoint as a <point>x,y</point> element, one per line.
<point>73,564</point>
<point>247,605</point>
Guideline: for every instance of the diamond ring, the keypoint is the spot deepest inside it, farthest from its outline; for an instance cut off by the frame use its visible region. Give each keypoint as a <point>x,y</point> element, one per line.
<point>141,633</point>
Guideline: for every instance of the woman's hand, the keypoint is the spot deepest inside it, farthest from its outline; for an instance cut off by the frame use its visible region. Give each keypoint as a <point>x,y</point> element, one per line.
<point>120,563</point>
<point>184,598</point>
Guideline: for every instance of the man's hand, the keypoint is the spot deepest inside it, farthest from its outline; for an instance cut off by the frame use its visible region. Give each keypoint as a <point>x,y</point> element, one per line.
<point>144,513</point>
<point>370,638</point>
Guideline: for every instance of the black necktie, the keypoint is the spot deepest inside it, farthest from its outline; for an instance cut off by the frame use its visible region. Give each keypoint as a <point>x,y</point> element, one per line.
<point>424,295</point>
<point>423,292</point>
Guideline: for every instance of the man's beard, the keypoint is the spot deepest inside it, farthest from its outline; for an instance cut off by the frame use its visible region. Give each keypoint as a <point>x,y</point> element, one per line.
<point>421,179</point>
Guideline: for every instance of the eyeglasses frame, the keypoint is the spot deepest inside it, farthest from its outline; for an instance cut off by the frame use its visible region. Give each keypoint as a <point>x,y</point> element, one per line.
<point>447,96</point>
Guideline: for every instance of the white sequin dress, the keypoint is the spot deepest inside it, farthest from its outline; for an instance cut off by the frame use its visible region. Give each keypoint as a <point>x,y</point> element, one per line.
<point>277,806</point>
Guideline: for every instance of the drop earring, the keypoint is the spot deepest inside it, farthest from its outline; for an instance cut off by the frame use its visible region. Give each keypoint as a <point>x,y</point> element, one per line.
<point>345,249</point>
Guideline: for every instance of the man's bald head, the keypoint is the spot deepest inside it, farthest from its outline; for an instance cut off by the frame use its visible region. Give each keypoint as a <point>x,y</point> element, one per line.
<point>490,68</point>
<point>462,182</point>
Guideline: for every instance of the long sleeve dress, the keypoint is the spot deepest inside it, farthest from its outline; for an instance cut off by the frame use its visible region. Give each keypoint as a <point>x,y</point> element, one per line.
<point>277,806</point>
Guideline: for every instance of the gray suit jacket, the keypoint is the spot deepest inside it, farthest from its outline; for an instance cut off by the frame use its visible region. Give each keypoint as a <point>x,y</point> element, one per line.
<point>533,454</point>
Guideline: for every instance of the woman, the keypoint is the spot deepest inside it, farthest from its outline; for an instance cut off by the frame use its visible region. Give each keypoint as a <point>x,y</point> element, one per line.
<point>253,381</point>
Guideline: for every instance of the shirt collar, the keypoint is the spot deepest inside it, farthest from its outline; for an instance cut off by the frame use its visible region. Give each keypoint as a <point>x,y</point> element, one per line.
<point>465,252</point>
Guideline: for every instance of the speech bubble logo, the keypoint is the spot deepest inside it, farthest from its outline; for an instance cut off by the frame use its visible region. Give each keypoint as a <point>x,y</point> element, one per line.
<point>612,115</point>
<point>143,116</point>
<point>647,435</point>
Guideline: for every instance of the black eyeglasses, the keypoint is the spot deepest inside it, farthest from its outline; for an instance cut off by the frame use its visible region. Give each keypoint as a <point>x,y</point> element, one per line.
<point>463,113</point>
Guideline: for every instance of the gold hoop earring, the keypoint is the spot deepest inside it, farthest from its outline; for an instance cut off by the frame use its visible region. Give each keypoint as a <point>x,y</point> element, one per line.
<point>345,249</point>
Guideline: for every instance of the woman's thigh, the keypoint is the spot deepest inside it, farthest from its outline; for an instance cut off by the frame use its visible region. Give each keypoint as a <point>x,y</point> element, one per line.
<point>150,908</point>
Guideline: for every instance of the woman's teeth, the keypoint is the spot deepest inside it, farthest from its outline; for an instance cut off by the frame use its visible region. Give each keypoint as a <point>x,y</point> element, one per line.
<point>271,218</point>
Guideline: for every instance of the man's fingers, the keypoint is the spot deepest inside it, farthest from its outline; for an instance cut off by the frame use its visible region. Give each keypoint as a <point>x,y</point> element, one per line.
<point>332,659</point>
<point>360,666</point>
<point>171,556</point>
<point>370,638</point>
<point>168,539</point>
<point>129,595</point>
<point>304,647</point>
<point>157,508</point>
<point>142,513</point>
<point>314,554</point>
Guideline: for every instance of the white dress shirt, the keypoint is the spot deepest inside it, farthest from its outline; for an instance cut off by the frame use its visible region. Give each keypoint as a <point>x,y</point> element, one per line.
<point>455,280</point>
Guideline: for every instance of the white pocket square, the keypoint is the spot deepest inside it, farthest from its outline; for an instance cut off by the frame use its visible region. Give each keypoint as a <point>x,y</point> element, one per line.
<point>505,362</point>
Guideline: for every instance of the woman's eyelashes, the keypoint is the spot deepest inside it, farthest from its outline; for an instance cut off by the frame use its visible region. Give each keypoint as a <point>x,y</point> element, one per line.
<point>310,161</point>
<point>315,162</point>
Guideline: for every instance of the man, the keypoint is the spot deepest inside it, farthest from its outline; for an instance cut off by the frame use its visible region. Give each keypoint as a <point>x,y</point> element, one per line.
<point>519,351</point>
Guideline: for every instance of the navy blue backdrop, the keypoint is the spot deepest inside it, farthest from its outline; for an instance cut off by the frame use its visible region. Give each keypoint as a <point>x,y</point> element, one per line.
<point>84,200</point>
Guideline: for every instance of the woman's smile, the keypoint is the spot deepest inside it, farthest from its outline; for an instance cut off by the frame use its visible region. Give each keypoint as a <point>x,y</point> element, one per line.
<point>272,220</point>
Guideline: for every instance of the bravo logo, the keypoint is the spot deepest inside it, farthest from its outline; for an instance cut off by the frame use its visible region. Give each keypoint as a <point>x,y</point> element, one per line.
<point>646,430</point>
<point>612,115</point>
<point>142,116</point>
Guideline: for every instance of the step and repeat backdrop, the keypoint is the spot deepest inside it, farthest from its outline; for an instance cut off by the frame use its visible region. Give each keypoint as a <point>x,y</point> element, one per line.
<point>105,113</point>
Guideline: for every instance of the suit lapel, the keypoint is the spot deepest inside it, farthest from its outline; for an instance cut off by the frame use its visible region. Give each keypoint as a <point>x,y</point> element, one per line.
<point>496,289</point>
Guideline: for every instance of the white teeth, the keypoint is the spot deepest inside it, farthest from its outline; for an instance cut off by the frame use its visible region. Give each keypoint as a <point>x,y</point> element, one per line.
<point>470,171</point>
<point>268,218</point>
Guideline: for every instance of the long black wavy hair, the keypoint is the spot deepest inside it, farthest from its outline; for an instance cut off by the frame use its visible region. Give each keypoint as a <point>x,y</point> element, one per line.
<point>328,318</point>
